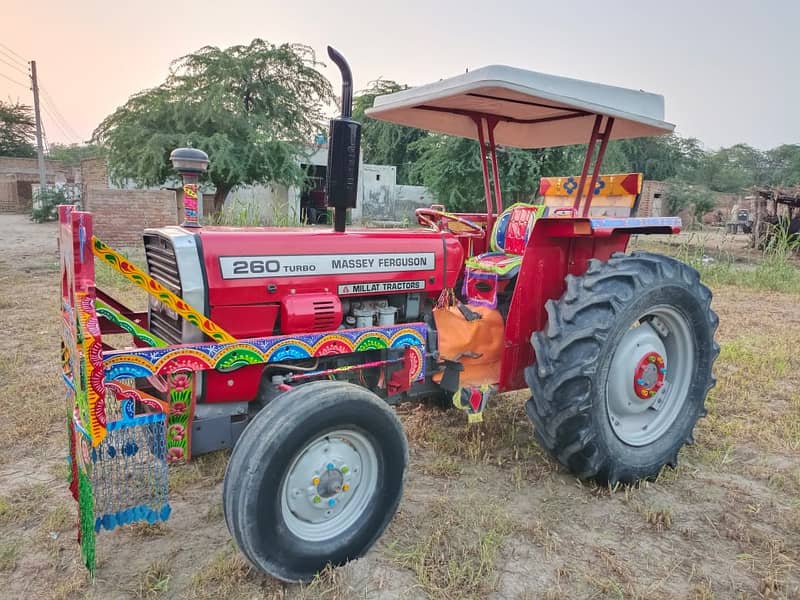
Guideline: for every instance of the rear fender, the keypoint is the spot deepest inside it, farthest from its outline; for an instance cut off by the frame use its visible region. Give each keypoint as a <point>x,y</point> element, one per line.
<point>557,248</point>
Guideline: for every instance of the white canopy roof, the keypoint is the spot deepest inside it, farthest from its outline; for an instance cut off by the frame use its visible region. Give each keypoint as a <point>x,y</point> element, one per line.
<point>535,110</point>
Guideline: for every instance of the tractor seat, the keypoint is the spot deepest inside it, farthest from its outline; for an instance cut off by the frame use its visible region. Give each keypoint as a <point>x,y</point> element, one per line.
<point>510,235</point>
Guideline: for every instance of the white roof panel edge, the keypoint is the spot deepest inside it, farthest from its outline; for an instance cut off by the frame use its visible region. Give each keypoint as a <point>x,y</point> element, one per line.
<point>638,113</point>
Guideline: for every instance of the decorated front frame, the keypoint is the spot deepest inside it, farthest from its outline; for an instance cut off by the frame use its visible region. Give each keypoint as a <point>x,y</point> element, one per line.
<point>121,439</point>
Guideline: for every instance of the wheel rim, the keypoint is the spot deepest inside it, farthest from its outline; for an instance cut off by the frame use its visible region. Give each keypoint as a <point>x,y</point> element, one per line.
<point>329,485</point>
<point>650,374</point>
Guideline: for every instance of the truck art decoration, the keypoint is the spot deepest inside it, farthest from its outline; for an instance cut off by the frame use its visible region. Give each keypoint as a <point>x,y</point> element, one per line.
<point>291,345</point>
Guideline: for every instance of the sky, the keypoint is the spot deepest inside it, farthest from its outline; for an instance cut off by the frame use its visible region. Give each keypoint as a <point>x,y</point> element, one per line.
<point>728,69</point>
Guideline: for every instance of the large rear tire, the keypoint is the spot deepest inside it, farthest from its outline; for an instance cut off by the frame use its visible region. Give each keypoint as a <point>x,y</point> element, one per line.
<point>623,367</point>
<point>314,479</point>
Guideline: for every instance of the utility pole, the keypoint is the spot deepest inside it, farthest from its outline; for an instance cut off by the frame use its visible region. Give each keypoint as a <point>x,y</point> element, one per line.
<point>37,114</point>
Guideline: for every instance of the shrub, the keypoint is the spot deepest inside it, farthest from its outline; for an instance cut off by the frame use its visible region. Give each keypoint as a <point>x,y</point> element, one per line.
<point>45,203</point>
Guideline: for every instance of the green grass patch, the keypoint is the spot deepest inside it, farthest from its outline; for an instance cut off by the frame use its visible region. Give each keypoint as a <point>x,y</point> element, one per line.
<point>9,554</point>
<point>720,263</point>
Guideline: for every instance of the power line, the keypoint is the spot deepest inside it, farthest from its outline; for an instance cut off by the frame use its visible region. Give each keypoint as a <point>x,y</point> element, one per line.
<point>66,125</point>
<point>15,81</point>
<point>11,57</point>
<point>67,135</point>
<point>15,67</point>
<point>9,50</point>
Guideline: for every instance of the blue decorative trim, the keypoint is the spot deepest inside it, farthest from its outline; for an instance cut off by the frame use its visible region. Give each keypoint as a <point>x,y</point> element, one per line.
<point>68,381</point>
<point>135,421</point>
<point>134,514</point>
<point>635,223</point>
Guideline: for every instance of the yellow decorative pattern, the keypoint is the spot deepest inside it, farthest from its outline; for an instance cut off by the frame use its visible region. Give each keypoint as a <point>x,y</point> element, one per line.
<point>154,288</point>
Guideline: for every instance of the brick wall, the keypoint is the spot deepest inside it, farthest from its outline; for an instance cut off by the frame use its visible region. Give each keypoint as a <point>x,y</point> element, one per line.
<point>9,201</point>
<point>121,215</point>
<point>652,200</point>
<point>94,173</point>
<point>30,166</point>
<point>23,172</point>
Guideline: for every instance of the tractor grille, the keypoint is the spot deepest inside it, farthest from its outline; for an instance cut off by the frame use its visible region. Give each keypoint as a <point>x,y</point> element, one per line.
<point>163,267</point>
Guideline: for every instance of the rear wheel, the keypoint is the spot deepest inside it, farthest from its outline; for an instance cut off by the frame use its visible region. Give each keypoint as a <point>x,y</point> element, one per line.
<point>623,368</point>
<point>314,479</point>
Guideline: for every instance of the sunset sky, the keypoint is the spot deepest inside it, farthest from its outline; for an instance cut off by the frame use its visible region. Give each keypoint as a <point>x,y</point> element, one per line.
<point>727,68</point>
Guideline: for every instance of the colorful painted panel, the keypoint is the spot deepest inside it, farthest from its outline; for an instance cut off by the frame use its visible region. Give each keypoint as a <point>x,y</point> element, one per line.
<point>93,384</point>
<point>129,364</point>
<point>116,434</point>
<point>624,184</point>
<point>121,321</point>
<point>181,413</point>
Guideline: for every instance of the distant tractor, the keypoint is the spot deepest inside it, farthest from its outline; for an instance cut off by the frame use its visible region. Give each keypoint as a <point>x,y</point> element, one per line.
<point>290,345</point>
<point>740,221</point>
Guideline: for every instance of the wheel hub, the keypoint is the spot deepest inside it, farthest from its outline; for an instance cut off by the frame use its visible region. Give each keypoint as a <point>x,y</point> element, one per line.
<point>330,483</point>
<point>649,375</point>
<point>325,487</point>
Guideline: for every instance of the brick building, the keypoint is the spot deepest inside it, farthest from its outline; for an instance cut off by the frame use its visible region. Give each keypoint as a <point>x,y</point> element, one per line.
<point>120,215</point>
<point>652,200</point>
<point>19,176</point>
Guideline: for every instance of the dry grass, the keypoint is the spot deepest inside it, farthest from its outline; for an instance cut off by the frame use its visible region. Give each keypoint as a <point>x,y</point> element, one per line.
<point>25,505</point>
<point>229,575</point>
<point>208,469</point>
<point>452,551</point>
<point>153,581</point>
<point>486,512</point>
<point>504,438</point>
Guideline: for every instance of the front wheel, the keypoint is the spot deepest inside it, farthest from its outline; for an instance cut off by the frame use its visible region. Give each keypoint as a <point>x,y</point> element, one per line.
<point>314,479</point>
<point>623,368</point>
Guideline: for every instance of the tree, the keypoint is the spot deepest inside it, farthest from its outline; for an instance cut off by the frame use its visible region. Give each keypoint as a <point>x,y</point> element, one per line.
<point>658,158</point>
<point>385,143</point>
<point>17,130</point>
<point>252,108</point>
<point>72,155</point>
<point>681,195</point>
<point>784,165</point>
<point>451,168</point>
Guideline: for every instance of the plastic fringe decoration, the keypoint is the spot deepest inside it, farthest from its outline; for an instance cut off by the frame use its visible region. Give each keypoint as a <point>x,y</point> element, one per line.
<point>129,473</point>
<point>86,519</point>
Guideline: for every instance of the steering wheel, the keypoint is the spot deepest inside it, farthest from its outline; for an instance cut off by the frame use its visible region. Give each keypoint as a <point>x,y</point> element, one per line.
<point>426,216</point>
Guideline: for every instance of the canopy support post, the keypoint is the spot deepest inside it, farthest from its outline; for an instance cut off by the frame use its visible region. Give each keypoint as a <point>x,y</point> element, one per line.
<point>587,162</point>
<point>597,164</point>
<point>498,194</point>
<point>495,176</point>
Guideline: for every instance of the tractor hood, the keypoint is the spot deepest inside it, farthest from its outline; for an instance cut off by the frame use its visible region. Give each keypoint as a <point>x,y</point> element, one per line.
<point>264,265</point>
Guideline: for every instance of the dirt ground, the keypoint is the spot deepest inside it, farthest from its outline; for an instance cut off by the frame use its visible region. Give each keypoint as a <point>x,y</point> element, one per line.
<point>485,514</point>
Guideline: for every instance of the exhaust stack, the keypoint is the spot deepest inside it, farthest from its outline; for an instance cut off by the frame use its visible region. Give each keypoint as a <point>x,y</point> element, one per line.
<point>344,144</point>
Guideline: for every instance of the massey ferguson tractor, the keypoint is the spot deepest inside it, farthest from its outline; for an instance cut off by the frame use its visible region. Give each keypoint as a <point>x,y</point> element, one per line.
<point>291,345</point>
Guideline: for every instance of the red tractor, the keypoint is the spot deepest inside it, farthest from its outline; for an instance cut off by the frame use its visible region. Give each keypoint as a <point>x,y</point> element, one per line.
<point>617,349</point>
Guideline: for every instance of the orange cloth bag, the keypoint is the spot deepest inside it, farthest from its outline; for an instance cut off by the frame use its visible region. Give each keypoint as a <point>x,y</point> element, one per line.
<point>484,337</point>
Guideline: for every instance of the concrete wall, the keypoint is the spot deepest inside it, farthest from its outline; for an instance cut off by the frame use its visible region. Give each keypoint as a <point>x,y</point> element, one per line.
<point>121,215</point>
